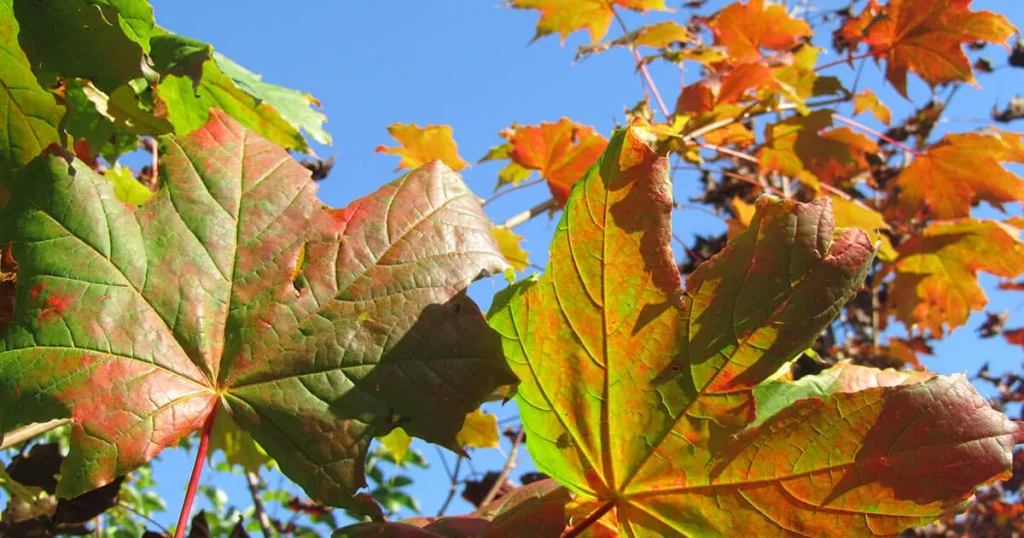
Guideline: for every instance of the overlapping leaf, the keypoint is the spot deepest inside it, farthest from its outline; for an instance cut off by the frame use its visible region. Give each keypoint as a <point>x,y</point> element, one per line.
<point>746,28</point>
<point>562,152</point>
<point>236,289</point>
<point>936,284</point>
<point>959,170</point>
<point>566,16</point>
<point>640,397</point>
<point>799,147</point>
<point>927,37</point>
<point>31,113</point>
<point>536,510</point>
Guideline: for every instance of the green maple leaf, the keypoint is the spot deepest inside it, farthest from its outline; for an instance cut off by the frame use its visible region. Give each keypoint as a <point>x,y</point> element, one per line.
<point>643,399</point>
<point>31,113</point>
<point>235,289</point>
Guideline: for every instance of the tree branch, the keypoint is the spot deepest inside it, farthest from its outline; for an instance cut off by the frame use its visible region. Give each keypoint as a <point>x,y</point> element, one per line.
<point>520,218</point>
<point>642,66</point>
<point>454,478</point>
<point>510,464</point>
<point>257,502</point>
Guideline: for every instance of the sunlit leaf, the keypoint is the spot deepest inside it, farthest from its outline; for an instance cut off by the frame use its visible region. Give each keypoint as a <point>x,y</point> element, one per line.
<point>235,289</point>
<point>421,145</point>
<point>949,176</point>
<point>480,430</point>
<point>126,188</point>
<point>509,243</point>
<point>746,28</point>
<point>867,101</point>
<point>936,284</point>
<point>639,396</point>
<point>927,37</point>
<point>566,16</point>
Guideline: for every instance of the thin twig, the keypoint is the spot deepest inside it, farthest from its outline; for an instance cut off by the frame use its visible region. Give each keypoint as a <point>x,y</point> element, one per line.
<point>538,209</point>
<point>257,502</point>
<point>642,66</point>
<point>510,464</point>
<point>843,61</point>
<point>879,135</point>
<point>29,431</point>
<point>753,181</point>
<point>591,519</point>
<point>513,189</point>
<point>128,507</point>
<point>454,488</point>
<point>730,152</point>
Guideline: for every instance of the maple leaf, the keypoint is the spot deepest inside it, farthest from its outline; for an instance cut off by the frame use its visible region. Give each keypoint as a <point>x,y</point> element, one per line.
<point>639,397</point>
<point>421,145</point>
<point>236,289</point>
<point>562,152</point>
<point>851,214</point>
<point>509,243</point>
<point>566,16</point>
<point>659,36</point>
<point>531,511</point>
<point>927,37</point>
<point>746,28</point>
<point>798,147</point>
<point>951,175</point>
<point>480,430</point>
<point>936,283</point>
<point>867,101</point>
<point>31,113</point>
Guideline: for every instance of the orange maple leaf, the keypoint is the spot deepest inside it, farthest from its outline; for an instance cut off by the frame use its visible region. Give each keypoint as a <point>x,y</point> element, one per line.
<point>421,145</point>
<point>959,170</point>
<point>744,29</point>
<point>562,152</point>
<point>936,284</point>
<point>927,37</point>
<point>867,101</point>
<point>566,16</point>
<point>799,147</point>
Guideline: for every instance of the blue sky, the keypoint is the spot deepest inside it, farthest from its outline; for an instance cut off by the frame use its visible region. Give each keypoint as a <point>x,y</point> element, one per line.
<point>470,64</point>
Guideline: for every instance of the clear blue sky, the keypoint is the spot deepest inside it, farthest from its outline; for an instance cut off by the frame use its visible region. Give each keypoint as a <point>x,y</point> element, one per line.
<point>469,64</point>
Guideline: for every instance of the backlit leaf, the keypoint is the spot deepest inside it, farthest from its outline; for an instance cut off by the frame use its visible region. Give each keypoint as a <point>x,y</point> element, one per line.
<point>188,108</point>
<point>566,16</point>
<point>639,396</point>
<point>126,188</point>
<point>851,214</point>
<point>927,37</point>
<point>419,146</point>
<point>746,28</point>
<point>84,29</point>
<point>135,17</point>
<point>562,152</point>
<point>509,243</point>
<point>480,430</point>
<point>800,147</point>
<point>31,113</point>
<point>936,284</point>
<point>867,101</point>
<point>237,446</point>
<point>235,289</point>
<point>397,443</point>
<point>660,35</point>
<point>957,171</point>
<point>536,510</point>
<point>123,109</point>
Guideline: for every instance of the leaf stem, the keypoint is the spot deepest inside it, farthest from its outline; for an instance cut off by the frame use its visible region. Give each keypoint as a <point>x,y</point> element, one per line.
<point>257,501</point>
<point>510,464</point>
<point>29,431</point>
<point>197,471</point>
<point>879,135</point>
<point>642,66</point>
<point>591,519</point>
<point>454,477</point>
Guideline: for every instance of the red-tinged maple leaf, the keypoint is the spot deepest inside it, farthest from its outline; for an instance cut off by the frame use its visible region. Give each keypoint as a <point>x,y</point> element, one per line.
<point>562,152</point>
<point>927,37</point>
<point>1012,286</point>
<point>746,28</point>
<point>643,398</point>
<point>728,85</point>
<point>235,289</point>
<point>851,33</point>
<point>1014,336</point>
<point>958,171</point>
<point>566,16</point>
<point>421,145</point>
<point>536,510</point>
<point>936,283</point>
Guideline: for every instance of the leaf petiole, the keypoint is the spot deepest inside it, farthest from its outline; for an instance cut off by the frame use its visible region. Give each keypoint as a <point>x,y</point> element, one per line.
<point>193,482</point>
